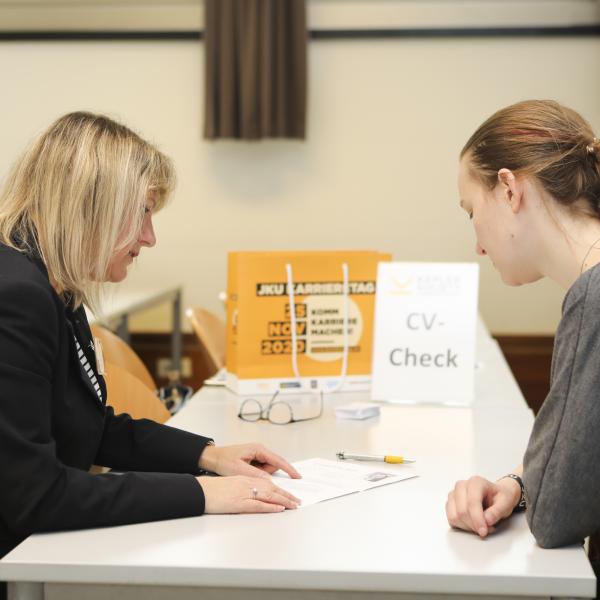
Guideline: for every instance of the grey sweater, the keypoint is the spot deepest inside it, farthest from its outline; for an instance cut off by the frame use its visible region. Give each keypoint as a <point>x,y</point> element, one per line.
<point>562,461</point>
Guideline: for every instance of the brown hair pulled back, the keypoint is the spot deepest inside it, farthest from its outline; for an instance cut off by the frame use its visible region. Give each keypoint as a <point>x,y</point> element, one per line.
<point>544,139</point>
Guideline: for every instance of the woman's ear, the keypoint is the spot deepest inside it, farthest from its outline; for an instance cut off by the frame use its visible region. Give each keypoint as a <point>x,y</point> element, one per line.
<point>512,189</point>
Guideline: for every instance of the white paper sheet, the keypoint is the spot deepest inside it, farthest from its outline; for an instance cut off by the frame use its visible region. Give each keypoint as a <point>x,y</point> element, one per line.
<point>324,479</point>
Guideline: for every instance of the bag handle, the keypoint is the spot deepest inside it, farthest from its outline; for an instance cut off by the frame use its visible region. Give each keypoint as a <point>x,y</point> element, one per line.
<point>346,293</point>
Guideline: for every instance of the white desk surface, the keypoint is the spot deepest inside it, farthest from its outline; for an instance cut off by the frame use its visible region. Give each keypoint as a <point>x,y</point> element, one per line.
<point>393,539</point>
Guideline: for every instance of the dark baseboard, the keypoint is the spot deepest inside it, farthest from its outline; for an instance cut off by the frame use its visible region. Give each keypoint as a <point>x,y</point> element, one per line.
<point>529,358</point>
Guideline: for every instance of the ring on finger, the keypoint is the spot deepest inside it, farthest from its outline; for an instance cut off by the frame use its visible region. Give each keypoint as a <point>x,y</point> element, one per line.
<point>254,493</point>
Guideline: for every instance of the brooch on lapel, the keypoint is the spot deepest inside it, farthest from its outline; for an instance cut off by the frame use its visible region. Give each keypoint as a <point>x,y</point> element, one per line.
<point>97,347</point>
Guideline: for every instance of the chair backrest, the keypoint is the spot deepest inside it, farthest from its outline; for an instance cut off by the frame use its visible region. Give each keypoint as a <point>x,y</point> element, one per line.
<point>127,394</point>
<point>119,353</point>
<point>210,331</point>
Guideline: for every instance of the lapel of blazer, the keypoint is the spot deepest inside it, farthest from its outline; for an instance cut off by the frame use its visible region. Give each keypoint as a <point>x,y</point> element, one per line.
<point>79,329</point>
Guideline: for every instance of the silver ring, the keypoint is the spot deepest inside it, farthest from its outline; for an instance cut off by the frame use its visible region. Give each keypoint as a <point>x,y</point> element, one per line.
<point>254,493</point>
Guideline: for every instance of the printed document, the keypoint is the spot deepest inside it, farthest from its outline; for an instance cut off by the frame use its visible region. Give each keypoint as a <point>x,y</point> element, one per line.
<point>324,479</point>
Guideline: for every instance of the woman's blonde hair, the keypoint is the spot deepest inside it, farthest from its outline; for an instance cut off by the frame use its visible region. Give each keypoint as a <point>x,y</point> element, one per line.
<point>544,139</point>
<point>77,195</point>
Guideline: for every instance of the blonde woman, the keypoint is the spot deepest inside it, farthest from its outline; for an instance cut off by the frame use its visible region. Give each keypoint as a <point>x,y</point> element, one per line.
<point>530,181</point>
<point>74,213</point>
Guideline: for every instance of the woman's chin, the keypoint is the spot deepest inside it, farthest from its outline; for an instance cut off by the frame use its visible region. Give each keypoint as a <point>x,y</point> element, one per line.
<point>516,281</point>
<point>116,275</point>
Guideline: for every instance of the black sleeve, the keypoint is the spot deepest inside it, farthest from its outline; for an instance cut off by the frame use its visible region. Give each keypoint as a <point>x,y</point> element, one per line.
<point>143,445</point>
<point>562,463</point>
<point>37,491</point>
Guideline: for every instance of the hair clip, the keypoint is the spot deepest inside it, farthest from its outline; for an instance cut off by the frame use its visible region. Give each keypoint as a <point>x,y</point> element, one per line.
<point>591,148</point>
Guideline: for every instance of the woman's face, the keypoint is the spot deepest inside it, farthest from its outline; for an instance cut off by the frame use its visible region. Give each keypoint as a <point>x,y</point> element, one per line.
<point>501,232</point>
<point>121,259</point>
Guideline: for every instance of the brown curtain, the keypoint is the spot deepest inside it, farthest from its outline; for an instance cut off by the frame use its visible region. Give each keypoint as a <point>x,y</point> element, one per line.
<point>255,69</point>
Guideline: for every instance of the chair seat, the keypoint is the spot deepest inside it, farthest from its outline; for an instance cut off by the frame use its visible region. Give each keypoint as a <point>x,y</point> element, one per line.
<point>127,394</point>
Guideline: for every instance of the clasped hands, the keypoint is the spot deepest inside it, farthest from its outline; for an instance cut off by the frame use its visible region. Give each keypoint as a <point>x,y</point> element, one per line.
<point>246,485</point>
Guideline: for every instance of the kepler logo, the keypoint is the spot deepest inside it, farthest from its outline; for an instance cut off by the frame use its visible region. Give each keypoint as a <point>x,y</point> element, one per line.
<point>438,285</point>
<point>427,285</point>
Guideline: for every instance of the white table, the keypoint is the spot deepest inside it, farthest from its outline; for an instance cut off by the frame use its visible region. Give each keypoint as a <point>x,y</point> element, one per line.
<point>391,542</point>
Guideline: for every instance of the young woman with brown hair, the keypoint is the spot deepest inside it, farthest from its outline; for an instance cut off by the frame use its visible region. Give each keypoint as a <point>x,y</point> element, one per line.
<point>75,211</point>
<point>530,181</point>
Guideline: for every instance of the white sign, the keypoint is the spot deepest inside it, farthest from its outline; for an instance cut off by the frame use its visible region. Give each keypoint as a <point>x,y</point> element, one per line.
<point>424,344</point>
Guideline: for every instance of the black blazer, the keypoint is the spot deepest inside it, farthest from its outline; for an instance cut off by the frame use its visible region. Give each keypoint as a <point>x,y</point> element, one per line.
<point>53,426</point>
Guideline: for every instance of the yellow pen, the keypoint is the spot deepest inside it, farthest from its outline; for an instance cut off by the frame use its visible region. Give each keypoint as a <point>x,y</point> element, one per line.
<point>394,460</point>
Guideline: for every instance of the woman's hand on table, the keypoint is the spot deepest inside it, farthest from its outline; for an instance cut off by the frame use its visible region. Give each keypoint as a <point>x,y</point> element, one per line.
<point>251,460</point>
<point>240,494</point>
<point>478,504</point>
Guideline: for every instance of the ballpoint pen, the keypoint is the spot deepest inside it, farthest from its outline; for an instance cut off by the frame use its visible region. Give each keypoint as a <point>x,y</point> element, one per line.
<point>343,455</point>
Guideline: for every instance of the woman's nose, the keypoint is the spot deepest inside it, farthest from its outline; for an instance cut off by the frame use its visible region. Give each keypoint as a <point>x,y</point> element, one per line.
<point>147,236</point>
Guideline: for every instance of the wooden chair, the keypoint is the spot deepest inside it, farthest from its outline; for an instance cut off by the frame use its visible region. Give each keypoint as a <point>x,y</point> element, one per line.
<point>129,385</point>
<point>210,331</point>
<point>118,352</point>
<point>127,394</point>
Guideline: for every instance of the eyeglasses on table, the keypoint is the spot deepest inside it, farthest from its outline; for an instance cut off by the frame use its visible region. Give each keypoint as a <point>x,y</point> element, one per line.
<point>278,412</point>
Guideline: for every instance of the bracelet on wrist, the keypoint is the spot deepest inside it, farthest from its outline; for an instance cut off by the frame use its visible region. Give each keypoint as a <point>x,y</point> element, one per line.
<point>522,503</point>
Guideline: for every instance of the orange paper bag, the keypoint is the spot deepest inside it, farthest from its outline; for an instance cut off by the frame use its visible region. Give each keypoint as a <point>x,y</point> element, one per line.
<point>324,343</point>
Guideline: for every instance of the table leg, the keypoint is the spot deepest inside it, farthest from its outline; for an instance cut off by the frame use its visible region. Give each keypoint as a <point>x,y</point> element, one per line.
<point>176,343</point>
<point>123,329</point>
<point>25,590</point>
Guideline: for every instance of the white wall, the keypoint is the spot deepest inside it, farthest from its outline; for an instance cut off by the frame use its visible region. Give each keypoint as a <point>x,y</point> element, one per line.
<point>386,122</point>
